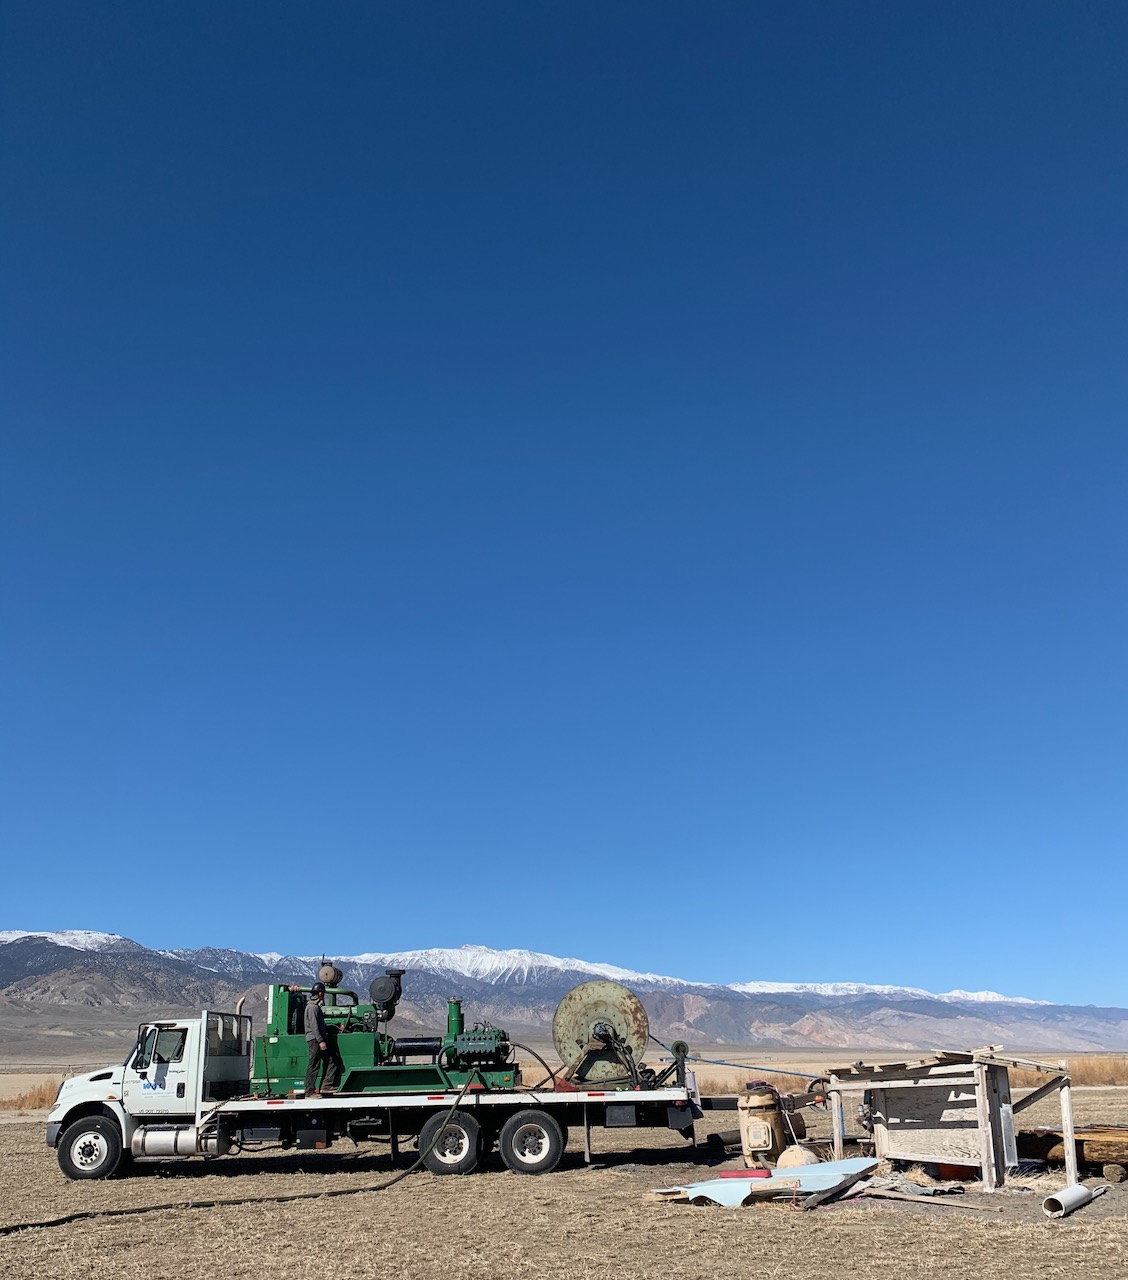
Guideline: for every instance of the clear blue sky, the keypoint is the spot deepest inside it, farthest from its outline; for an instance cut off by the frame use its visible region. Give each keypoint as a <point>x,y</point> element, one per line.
<point>597,478</point>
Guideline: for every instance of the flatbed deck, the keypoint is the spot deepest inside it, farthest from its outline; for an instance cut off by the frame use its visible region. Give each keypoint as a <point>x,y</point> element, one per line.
<point>470,1100</point>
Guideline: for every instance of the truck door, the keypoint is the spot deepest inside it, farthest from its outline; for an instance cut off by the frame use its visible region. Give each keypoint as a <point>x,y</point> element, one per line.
<point>158,1078</point>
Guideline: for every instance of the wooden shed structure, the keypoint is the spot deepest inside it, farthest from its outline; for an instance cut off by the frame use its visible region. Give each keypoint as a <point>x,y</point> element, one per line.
<point>951,1108</point>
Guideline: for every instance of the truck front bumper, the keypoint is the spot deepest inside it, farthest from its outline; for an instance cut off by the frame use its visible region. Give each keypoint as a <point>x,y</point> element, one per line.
<point>53,1133</point>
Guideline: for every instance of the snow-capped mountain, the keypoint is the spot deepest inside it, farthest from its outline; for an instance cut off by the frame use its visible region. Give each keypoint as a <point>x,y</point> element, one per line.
<point>79,939</point>
<point>485,964</point>
<point>519,990</point>
<point>490,965</point>
<point>864,988</point>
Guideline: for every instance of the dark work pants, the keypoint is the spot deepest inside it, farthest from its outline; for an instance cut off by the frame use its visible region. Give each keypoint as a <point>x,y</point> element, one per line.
<point>317,1056</point>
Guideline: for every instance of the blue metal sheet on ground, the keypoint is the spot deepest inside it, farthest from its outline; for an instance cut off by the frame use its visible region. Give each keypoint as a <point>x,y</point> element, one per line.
<point>805,1180</point>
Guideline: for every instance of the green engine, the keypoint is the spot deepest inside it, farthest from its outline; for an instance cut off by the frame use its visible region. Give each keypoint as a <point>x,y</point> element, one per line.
<point>372,1061</point>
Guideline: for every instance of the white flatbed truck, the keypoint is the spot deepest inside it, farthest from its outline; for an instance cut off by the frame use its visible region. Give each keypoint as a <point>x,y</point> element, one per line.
<point>184,1091</point>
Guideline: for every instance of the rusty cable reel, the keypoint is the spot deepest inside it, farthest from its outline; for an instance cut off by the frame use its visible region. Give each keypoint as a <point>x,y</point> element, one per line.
<point>584,1012</point>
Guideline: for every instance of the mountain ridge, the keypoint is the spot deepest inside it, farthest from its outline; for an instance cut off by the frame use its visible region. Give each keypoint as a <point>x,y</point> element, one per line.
<point>488,964</point>
<point>519,989</point>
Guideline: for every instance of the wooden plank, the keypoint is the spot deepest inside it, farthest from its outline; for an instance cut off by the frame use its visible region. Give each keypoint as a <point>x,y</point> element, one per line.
<point>949,1202</point>
<point>837,1120</point>
<point>914,1082</point>
<point>1069,1138</point>
<point>986,1138</point>
<point>930,1155</point>
<point>1042,1091</point>
<point>879,1069</point>
<point>1023,1064</point>
<point>938,1071</point>
<point>823,1197</point>
<point>1004,1116</point>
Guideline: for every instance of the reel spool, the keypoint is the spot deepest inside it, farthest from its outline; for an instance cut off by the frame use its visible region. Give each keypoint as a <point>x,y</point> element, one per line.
<point>581,1024</point>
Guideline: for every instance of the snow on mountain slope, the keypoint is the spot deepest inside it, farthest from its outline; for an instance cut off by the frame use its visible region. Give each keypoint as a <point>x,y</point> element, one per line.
<point>79,939</point>
<point>985,997</point>
<point>496,966</point>
<point>876,989</point>
<point>485,964</point>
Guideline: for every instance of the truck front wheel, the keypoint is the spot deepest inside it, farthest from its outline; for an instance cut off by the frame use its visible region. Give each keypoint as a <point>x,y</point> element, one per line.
<point>531,1142</point>
<point>91,1148</point>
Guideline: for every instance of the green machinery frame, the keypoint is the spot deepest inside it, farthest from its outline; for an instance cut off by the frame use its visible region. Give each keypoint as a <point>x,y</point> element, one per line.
<point>371,1061</point>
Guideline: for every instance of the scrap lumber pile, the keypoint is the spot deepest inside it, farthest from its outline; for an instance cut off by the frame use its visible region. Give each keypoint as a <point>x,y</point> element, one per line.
<point>1105,1146</point>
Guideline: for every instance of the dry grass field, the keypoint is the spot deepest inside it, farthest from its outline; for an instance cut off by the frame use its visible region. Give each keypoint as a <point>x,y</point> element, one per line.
<point>1085,1068</point>
<point>574,1223</point>
<point>27,1093</point>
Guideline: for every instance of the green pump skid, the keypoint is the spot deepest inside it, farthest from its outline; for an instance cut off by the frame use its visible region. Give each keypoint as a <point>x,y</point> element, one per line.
<point>370,1060</point>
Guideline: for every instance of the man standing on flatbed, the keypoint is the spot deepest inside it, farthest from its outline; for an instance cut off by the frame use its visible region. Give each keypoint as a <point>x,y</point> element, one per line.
<point>317,1042</point>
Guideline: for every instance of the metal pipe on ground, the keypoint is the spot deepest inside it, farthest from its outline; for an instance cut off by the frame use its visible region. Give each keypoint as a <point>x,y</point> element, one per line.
<point>1065,1201</point>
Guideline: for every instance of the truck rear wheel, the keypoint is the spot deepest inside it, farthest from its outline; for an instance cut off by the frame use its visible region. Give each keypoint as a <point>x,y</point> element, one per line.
<point>459,1146</point>
<point>531,1142</point>
<point>91,1148</point>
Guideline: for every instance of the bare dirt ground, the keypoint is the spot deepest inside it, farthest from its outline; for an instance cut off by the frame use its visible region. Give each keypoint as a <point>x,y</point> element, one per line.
<point>575,1223</point>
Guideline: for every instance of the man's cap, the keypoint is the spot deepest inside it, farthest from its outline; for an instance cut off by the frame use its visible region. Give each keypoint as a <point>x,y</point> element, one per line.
<point>318,989</point>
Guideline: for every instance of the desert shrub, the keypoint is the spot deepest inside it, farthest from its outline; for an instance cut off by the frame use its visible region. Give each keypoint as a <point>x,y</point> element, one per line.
<point>36,1098</point>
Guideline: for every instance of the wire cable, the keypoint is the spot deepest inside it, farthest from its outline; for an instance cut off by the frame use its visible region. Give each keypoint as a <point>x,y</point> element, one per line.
<point>740,1066</point>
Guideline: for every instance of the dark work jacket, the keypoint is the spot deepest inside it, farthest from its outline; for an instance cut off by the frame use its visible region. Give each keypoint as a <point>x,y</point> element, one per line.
<point>315,1023</point>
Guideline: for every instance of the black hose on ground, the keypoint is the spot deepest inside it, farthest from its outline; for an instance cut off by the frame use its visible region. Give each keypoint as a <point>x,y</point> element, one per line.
<point>85,1214</point>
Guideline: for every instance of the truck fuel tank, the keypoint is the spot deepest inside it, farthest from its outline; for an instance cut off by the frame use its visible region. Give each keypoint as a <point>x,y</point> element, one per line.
<point>172,1141</point>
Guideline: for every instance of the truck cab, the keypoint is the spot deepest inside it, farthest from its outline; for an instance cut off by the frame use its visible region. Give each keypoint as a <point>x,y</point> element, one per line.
<point>151,1104</point>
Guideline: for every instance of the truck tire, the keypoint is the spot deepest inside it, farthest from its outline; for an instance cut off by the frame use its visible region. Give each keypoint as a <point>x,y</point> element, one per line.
<point>531,1142</point>
<point>459,1147</point>
<point>91,1148</point>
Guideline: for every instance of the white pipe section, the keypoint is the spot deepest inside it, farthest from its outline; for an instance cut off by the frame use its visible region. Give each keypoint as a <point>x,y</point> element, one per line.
<point>1070,1198</point>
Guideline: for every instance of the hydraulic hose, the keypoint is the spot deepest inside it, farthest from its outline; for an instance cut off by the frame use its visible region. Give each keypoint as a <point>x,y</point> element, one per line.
<point>533,1053</point>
